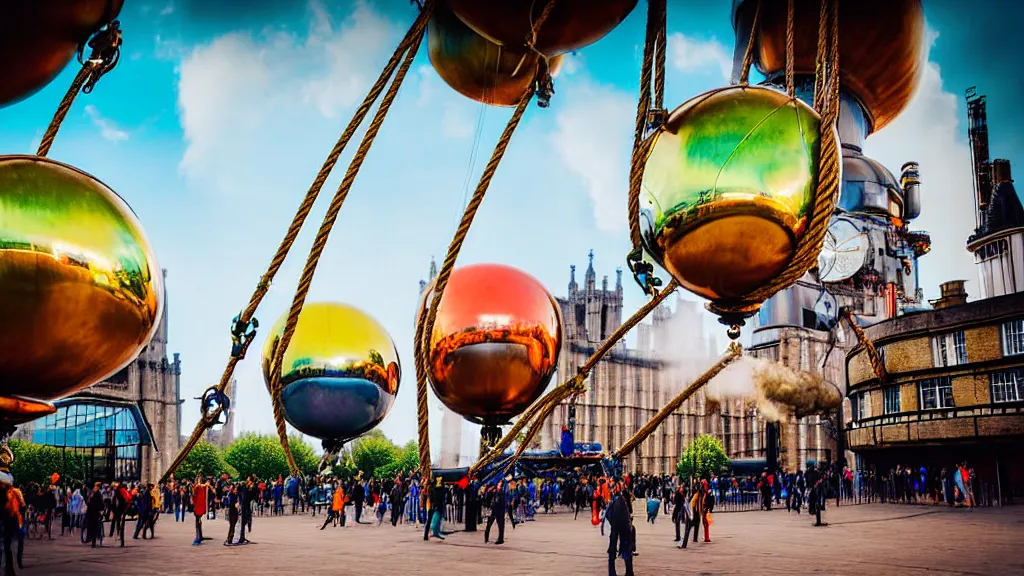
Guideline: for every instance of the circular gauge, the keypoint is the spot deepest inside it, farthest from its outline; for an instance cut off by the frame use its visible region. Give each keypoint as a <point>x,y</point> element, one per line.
<point>844,252</point>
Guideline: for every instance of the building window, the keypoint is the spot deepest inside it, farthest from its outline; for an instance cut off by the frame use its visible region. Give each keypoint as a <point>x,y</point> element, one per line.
<point>936,393</point>
<point>892,399</point>
<point>859,405</point>
<point>1013,337</point>
<point>949,349</point>
<point>1007,386</point>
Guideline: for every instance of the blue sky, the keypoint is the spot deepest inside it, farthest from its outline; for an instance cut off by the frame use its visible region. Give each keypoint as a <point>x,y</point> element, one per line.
<point>218,117</point>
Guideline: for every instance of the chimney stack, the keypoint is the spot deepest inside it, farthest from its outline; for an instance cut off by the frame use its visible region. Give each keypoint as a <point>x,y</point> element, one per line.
<point>1000,172</point>
<point>953,294</point>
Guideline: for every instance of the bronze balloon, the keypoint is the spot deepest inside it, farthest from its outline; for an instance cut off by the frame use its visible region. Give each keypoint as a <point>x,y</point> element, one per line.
<point>80,291</point>
<point>495,343</point>
<point>40,37</point>
<point>476,67</point>
<point>880,48</point>
<point>727,189</point>
<point>571,25</point>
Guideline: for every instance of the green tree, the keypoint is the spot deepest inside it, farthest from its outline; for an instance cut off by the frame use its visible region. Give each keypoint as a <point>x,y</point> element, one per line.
<point>305,458</point>
<point>205,460</point>
<point>374,452</point>
<point>262,455</point>
<point>408,460</point>
<point>702,458</point>
<point>257,454</point>
<point>37,462</point>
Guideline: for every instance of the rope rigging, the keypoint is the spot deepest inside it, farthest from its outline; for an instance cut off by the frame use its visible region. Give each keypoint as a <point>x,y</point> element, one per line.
<point>824,204</point>
<point>244,325</point>
<point>104,56</point>
<point>826,195</point>
<point>650,115</point>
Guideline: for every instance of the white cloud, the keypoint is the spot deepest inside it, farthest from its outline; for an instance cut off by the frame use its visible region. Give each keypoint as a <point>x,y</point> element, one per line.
<point>232,88</point>
<point>690,55</point>
<point>928,132</point>
<point>108,130</point>
<point>167,10</point>
<point>593,136</point>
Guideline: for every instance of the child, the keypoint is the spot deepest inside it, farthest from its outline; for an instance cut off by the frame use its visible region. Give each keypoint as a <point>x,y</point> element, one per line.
<point>382,508</point>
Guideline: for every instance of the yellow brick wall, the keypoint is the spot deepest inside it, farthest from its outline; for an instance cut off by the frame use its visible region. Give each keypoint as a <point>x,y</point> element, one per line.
<point>970,390</point>
<point>1001,426</point>
<point>908,397</point>
<point>859,369</point>
<point>906,355</point>
<point>983,343</point>
<point>875,399</point>
<point>895,433</point>
<point>942,429</point>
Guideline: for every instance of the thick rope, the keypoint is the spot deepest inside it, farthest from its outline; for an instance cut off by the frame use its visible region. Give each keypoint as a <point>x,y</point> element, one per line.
<point>539,411</point>
<point>106,52</point>
<point>320,243</point>
<point>643,107</point>
<point>64,107</point>
<point>748,56</point>
<point>877,364</point>
<point>735,351</point>
<point>661,44</point>
<point>415,31</point>
<point>821,55</point>
<point>826,195</point>
<point>790,33</point>
<point>425,324</point>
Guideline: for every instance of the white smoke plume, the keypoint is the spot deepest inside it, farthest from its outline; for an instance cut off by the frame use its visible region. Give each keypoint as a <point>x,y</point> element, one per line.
<point>681,342</point>
<point>774,388</point>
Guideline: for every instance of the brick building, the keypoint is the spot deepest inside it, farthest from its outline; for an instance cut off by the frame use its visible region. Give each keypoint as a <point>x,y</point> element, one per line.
<point>954,390</point>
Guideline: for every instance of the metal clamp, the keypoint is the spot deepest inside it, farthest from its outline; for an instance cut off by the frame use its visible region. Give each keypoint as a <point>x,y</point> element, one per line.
<point>106,53</point>
<point>544,85</point>
<point>242,334</point>
<point>213,404</point>
<point>656,118</point>
<point>643,272</point>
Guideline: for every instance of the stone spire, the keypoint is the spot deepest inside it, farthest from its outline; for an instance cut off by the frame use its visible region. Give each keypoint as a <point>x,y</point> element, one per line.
<point>433,274</point>
<point>591,277</point>
<point>572,280</point>
<point>618,280</point>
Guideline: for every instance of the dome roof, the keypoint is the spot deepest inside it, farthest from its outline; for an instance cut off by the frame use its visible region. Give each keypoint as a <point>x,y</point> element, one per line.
<point>1004,210</point>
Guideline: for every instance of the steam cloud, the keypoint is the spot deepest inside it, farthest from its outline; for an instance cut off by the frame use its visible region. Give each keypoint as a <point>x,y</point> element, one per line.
<point>776,390</point>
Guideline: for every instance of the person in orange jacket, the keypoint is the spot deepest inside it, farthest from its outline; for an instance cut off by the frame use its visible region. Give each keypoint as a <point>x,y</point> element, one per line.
<point>337,506</point>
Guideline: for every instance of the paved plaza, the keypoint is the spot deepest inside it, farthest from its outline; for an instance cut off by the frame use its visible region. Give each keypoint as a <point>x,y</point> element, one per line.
<point>867,539</point>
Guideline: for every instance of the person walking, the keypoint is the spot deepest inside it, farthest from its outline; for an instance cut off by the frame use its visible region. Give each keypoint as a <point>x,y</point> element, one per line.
<point>497,514</point>
<point>620,538</point>
<point>231,503</point>
<point>94,515</point>
<point>200,497</point>
<point>121,501</point>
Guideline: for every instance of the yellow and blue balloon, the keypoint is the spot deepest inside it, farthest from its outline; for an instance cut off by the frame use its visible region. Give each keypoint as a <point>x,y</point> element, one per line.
<point>340,374</point>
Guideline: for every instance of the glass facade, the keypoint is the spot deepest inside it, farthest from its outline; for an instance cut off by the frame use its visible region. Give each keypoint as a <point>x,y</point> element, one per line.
<point>109,436</point>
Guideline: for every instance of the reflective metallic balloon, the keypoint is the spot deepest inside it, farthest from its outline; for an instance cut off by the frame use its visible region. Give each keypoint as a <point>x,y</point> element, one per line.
<point>727,189</point>
<point>340,373</point>
<point>476,67</point>
<point>571,25</point>
<point>80,291</point>
<point>880,48</point>
<point>495,342</point>
<point>15,411</point>
<point>40,37</point>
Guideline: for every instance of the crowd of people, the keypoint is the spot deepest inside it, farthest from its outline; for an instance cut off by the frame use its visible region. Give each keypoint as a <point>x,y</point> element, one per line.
<point>103,510</point>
